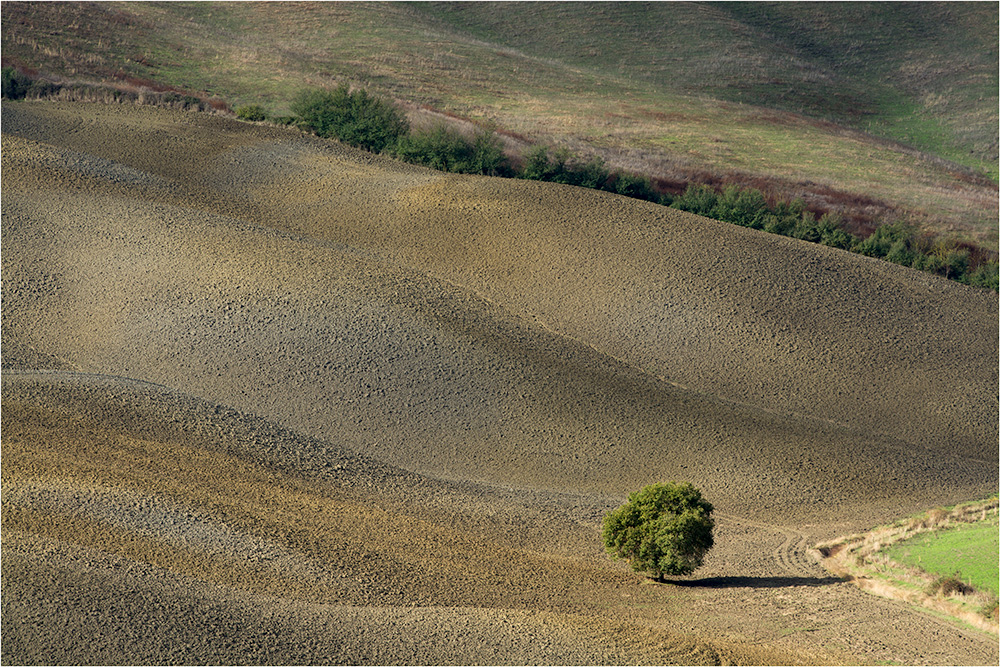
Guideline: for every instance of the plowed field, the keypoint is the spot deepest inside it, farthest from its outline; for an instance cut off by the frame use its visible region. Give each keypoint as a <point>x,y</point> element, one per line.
<point>267,399</point>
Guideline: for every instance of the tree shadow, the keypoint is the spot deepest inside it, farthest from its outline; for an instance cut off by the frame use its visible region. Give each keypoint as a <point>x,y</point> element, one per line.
<point>758,582</point>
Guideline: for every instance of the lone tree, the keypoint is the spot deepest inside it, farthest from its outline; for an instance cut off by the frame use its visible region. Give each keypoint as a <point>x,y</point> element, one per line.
<point>663,529</point>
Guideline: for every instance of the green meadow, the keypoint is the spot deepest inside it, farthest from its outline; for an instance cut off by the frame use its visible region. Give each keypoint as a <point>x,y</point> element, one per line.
<point>970,550</point>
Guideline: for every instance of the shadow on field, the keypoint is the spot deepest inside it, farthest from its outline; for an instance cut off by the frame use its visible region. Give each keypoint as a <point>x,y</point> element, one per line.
<point>758,582</point>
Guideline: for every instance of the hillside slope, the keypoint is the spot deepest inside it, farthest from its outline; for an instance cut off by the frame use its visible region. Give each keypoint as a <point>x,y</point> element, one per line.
<point>917,72</point>
<point>393,270</point>
<point>246,544</point>
<point>891,115</point>
<point>435,385</point>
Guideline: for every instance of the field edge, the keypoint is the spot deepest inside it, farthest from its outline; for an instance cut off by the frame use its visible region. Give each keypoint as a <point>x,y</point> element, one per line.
<point>860,558</point>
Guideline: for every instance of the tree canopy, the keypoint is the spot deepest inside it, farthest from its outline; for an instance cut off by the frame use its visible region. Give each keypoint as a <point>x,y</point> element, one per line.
<point>354,117</point>
<point>663,529</point>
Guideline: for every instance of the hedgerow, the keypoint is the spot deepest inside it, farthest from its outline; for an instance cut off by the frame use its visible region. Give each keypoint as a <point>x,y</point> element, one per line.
<point>373,123</point>
<point>445,149</point>
<point>370,122</point>
<point>896,242</point>
<point>563,167</point>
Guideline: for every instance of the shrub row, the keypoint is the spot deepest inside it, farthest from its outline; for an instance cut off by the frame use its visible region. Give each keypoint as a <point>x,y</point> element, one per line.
<point>563,167</point>
<point>896,242</point>
<point>372,123</point>
<point>369,122</point>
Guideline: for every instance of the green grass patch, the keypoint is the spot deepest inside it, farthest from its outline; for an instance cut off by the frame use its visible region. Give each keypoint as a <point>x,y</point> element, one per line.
<point>916,560</point>
<point>968,549</point>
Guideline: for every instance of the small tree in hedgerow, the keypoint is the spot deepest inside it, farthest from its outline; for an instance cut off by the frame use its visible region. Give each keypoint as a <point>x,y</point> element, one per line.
<point>354,117</point>
<point>663,529</point>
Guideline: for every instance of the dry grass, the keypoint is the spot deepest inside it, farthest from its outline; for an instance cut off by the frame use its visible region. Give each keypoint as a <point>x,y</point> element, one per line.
<point>862,558</point>
<point>597,104</point>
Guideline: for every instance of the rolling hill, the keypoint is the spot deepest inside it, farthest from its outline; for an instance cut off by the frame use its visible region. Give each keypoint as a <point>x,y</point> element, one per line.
<point>877,110</point>
<point>270,399</point>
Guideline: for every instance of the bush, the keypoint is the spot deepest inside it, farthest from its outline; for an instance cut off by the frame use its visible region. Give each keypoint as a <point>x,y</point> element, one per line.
<point>15,84</point>
<point>251,112</point>
<point>950,585</point>
<point>985,275</point>
<point>635,186</point>
<point>563,167</point>
<point>989,608</point>
<point>775,224</point>
<point>956,263</point>
<point>438,148</point>
<point>445,149</point>
<point>537,166</point>
<point>487,155</point>
<point>356,118</point>
<point>883,239</point>
<point>837,238</point>
<point>739,206</point>
<point>697,199</point>
<point>593,174</point>
<point>899,253</point>
<point>663,529</point>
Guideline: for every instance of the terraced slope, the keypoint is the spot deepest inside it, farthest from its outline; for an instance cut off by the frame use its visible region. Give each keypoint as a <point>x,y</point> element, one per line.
<point>247,370</point>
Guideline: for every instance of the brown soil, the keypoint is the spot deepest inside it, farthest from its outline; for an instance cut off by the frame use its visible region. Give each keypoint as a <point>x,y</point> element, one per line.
<point>863,559</point>
<point>270,400</point>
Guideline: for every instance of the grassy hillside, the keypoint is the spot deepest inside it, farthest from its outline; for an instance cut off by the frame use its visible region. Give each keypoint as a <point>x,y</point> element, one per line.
<point>779,96</point>
<point>921,73</point>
